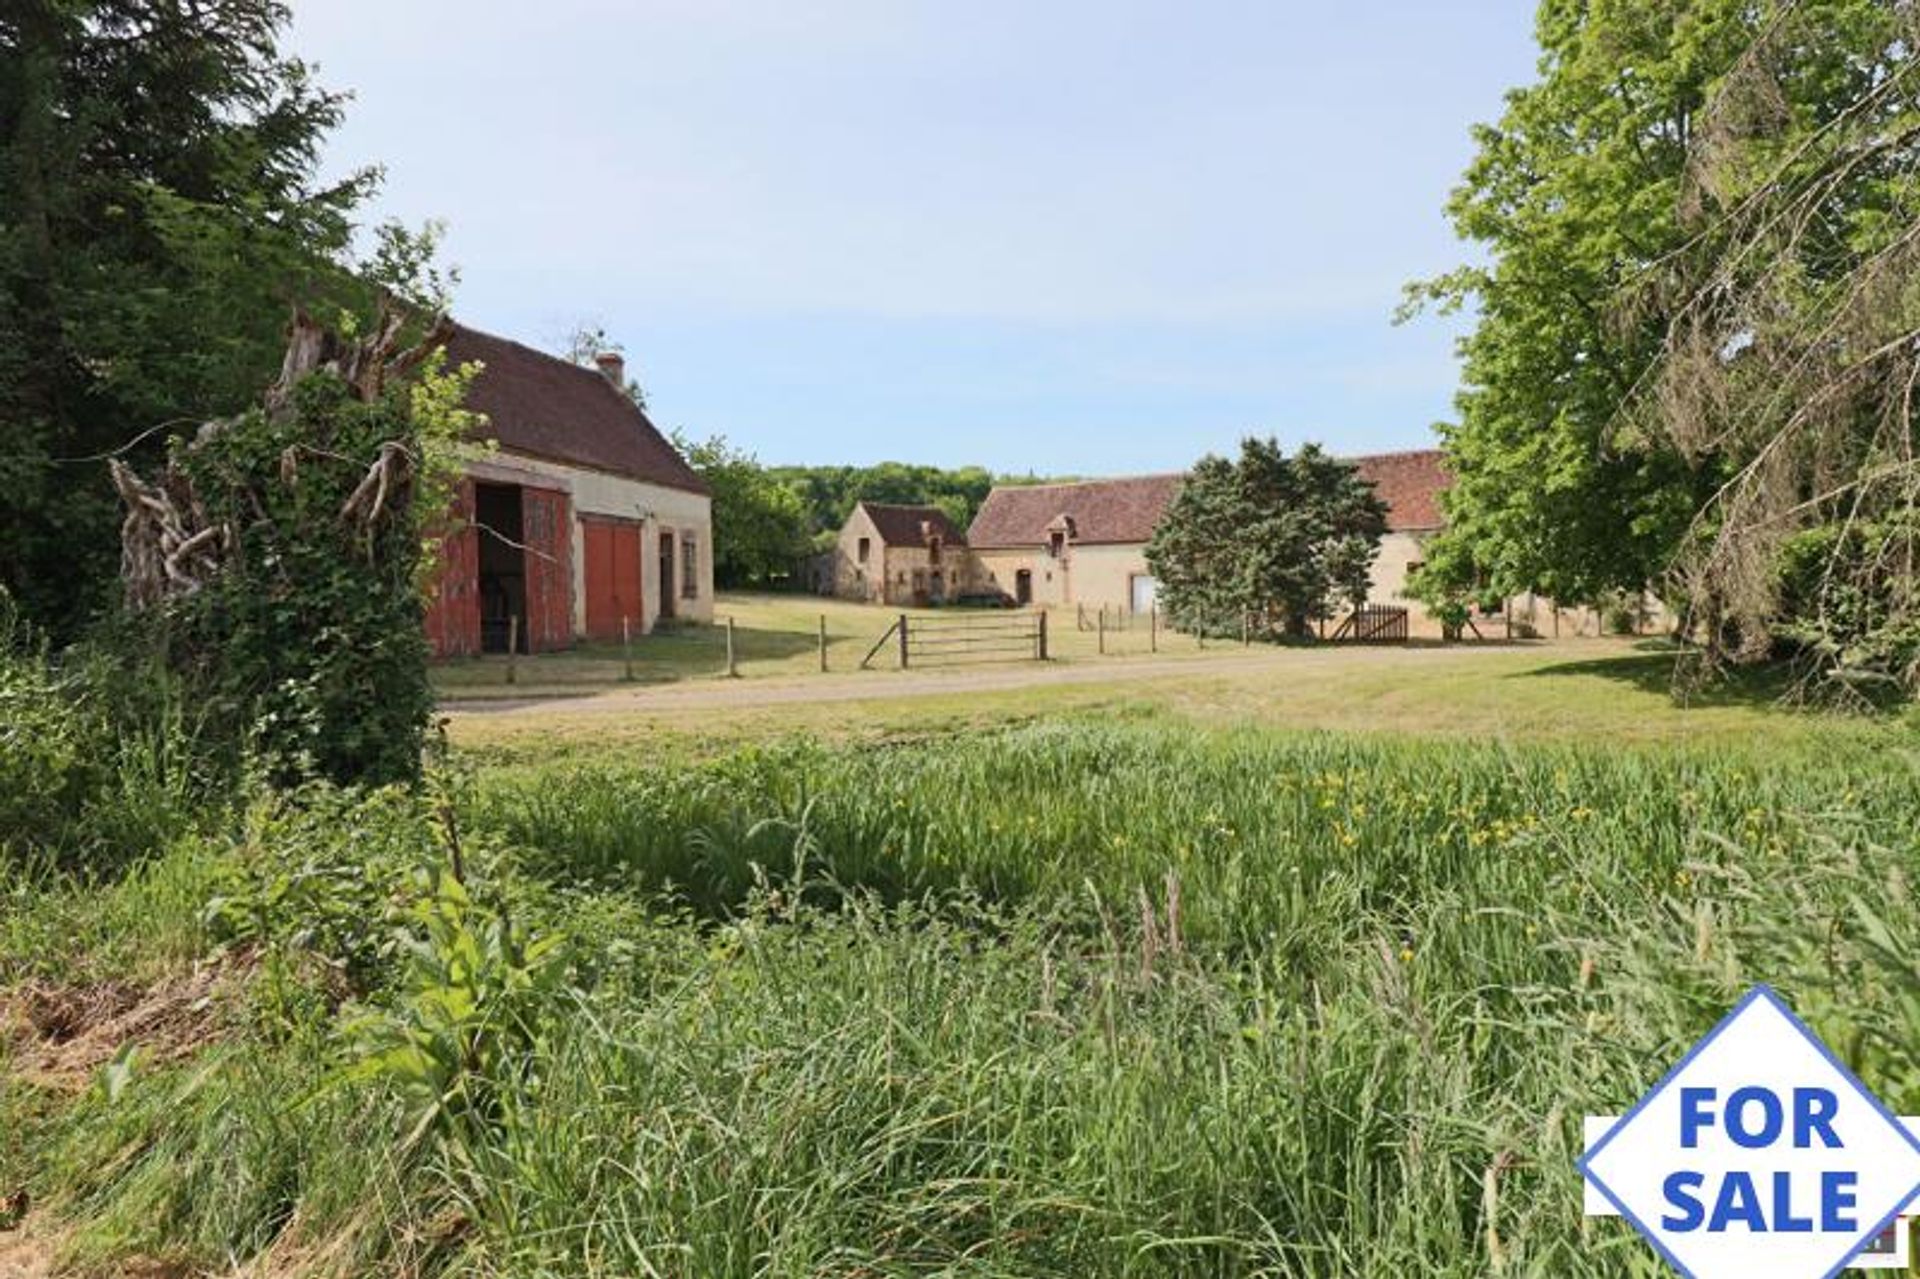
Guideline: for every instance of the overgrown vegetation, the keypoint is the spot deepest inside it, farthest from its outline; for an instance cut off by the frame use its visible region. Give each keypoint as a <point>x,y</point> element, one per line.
<point>160,214</point>
<point>1089,998</point>
<point>277,562</point>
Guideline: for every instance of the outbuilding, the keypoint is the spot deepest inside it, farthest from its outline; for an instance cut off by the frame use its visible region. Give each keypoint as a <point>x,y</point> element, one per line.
<point>1085,543</point>
<point>902,555</point>
<point>582,521</point>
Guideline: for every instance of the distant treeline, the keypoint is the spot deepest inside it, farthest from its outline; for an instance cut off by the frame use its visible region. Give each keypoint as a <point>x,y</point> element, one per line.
<point>767,519</point>
<point>829,493</point>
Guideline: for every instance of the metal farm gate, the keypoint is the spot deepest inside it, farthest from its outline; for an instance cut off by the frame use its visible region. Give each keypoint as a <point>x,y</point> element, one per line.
<point>957,639</point>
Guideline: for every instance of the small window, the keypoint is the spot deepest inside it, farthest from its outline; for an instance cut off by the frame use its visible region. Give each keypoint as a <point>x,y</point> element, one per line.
<point>689,567</point>
<point>933,551</point>
<point>1056,543</point>
<point>866,546</point>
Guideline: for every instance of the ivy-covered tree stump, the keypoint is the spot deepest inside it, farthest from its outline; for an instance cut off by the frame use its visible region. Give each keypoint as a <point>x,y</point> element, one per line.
<point>279,555</point>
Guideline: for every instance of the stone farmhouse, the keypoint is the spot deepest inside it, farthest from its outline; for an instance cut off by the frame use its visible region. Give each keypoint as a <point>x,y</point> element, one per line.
<point>903,555</point>
<point>1085,543</point>
<point>583,520</point>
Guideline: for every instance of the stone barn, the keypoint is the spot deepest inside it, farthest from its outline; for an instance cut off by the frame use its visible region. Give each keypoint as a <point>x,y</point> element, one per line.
<point>583,519</point>
<point>903,555</point>
<point>1085,543</point>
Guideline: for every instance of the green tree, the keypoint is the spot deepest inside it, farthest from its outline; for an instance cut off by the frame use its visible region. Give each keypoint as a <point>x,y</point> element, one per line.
<point>1792,349</point>
<point>159,214</point>
<point>1694,330</point>
<point>1575,191</point>
<point>829,493</point>
<point>759,524</point>
<point>1277,539</point>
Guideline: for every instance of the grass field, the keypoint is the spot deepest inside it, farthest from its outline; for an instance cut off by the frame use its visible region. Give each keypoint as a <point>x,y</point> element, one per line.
<point>774,635</point>
<point>1305,964</point>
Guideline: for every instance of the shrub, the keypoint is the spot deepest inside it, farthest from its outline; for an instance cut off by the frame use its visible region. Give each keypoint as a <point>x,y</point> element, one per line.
<point>99,764</point>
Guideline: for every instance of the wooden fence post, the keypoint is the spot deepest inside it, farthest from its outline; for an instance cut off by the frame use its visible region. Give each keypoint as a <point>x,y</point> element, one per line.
<point>823,643</point>
<point>1153,628</point>
<point>513,649</point>
<point>903,641</point>
<point>1103,630</point>
<point>1043,634</point>
<point>733,670</point>
<point>626,647</point>
<point>1246,630</point>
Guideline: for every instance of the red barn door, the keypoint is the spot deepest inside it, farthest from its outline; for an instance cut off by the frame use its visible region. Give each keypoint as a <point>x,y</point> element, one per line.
<point>453,608</point>
<point>547,532</point>
<point>612,550</point>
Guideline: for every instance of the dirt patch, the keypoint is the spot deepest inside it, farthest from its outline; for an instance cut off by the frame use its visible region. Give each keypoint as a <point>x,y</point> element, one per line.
<point>32,1251</point>
<point>25,1253</point>
<point>60,1035</point>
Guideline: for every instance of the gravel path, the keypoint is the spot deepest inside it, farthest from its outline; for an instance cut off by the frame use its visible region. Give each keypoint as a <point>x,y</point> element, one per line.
<point>721,694</point>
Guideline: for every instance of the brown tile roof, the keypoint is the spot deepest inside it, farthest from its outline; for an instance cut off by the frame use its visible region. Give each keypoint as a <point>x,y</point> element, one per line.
<point>1410,484</point>
<point>1123,510</point>
<point>910,525</point>
<point>545,407</point>
<point>1126,510</point>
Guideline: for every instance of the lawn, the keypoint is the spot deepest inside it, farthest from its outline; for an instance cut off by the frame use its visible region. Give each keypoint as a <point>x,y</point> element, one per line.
<point>1303,962</point>
<point>1597,691</point>
<point>774,635</point>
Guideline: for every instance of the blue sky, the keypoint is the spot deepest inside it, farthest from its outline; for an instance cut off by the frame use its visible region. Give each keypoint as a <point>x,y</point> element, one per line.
<point>1053,236</point>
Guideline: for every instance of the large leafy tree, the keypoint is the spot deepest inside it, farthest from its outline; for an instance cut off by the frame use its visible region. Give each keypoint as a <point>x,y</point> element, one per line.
<point>1574,194</point>
<point>1694,325</point>
<point>1275,539</point>
<point>159,213</point>
<point>759,524</point>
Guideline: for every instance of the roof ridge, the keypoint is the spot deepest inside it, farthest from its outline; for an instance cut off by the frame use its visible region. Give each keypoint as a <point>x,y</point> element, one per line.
<point>537,403</point>
<point>1102,479</point>
<point>1361,457</point>
<point>560,362</point>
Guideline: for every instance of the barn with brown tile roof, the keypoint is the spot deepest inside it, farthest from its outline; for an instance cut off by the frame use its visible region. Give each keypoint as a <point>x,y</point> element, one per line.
<point>543,406</point>
<point>1102,512</point>
<point>1084,543</point>
<point>1410,483</point>
<point>583,523</point>
<point>900,555</point>
<point>912,525</point>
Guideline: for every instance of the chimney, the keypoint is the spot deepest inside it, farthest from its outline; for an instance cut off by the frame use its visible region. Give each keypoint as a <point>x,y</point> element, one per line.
<point>614,366</point>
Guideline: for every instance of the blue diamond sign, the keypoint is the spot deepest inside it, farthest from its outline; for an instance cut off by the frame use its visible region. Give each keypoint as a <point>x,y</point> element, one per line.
<point>1759,1154</point>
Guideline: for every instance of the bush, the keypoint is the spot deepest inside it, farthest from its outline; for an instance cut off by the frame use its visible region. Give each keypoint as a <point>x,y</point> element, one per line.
<point>98,764</point>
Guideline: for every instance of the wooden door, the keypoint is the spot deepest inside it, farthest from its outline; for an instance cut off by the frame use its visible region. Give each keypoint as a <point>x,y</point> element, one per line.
<point>452,618</point>
<point>547,533</point>
<point>612,549</point>
<point>667,593</point>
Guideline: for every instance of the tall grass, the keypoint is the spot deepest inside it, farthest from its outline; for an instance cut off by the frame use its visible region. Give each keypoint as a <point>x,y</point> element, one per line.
<point>99,761</point>
<point>1071,999</point>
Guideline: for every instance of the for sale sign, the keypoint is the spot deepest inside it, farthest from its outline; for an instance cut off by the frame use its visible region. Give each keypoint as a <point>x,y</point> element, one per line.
<point>1759,1154</point>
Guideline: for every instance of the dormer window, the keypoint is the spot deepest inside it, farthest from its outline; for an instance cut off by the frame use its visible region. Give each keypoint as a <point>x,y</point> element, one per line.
<point>1056,543</point>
